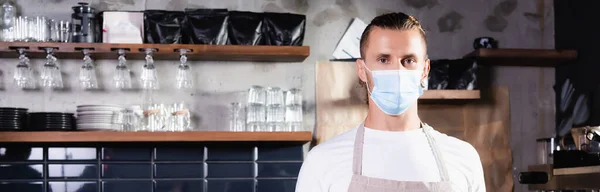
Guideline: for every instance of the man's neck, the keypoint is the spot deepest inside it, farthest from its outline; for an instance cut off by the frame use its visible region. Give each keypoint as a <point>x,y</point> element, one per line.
<point>376,119</point>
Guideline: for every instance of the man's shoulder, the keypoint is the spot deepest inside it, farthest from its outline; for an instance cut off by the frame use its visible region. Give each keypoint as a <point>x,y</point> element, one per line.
<point>330,156</point>
<point>336,149</point>
<point>327,162</point>
<point>339,143</point>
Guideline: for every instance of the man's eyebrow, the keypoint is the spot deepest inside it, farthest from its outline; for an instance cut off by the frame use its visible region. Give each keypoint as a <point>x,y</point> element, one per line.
<point>383,55</point>
<point>409,55</point>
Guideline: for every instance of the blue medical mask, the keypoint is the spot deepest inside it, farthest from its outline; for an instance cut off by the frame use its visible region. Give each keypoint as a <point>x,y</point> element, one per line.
<point>394,91</point>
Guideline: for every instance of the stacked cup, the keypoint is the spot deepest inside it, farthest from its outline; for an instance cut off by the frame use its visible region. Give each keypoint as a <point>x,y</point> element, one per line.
<point>255,109</point>
<point>275,109</point>
<point>293,110</point>
<point>270,110</point>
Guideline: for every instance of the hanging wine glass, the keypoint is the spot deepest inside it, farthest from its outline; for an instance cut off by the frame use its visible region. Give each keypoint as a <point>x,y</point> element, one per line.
<point>122,76</point>
<point>184,73</point>
<point>87,73</point>
<point>24,77</point>
<point>51,75</point>
<point>149,77</point>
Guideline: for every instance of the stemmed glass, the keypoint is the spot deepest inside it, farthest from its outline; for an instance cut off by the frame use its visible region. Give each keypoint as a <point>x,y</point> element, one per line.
<point>184,76</point>
<point>24,77</point>
<point>149,75</point>
<point>87,73</point>
<point>122,75</point>
<point>51,75</point>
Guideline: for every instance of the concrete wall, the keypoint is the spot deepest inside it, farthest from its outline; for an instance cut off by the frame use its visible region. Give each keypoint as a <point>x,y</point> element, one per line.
<point>451,26</point>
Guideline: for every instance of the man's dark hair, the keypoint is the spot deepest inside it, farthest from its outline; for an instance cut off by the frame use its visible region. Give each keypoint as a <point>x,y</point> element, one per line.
<point>394,21</point>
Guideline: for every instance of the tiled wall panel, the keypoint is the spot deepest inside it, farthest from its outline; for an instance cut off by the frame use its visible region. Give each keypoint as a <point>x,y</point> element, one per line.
<point>158,168</point>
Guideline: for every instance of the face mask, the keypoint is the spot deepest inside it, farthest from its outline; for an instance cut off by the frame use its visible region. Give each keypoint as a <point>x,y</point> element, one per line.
<point>394,91</point>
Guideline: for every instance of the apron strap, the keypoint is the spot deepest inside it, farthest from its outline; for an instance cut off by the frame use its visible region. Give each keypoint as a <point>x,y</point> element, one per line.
<point>439,159</point>
<point>358,150</point>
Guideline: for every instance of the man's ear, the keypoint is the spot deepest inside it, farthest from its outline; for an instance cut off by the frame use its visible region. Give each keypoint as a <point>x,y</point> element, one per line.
<point>360,70</point>
<point>425,70</point>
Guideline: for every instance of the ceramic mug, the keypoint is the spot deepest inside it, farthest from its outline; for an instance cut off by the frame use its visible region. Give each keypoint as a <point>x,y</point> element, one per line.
<point>485,42</point>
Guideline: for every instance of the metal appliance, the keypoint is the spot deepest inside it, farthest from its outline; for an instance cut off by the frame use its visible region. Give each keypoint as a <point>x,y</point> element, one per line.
<point>84,23</point>
<point>574,163</point>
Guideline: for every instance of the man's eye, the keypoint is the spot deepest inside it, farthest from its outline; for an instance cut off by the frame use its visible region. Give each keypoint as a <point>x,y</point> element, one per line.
<point>408,61</point>
<point>383,60</point>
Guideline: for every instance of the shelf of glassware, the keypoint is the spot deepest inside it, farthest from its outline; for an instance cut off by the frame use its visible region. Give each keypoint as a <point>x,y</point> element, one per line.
<point>162,51</point>
<point>114,136</point>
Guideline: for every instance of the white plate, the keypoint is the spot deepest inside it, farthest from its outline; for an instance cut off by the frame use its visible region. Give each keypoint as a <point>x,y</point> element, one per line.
<point>100,106</point>
<point>94,125</point>
<point>95,117</point>
<point>110,114</point>
<point>82,118</point>
<point>85,109</point>
<point>95,129</point>
<point>95,113</point>
<point>94,122</point>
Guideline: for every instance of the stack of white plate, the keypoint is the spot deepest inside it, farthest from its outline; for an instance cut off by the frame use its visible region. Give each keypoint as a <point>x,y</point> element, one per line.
<point>98,117</point>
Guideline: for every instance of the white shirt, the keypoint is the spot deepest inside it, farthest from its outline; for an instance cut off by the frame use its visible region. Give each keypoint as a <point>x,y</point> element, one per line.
<point>398,155</point>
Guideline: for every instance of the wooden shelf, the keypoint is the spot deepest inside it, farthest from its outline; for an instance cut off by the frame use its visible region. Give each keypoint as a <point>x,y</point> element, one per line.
<point>109,136</point>
<point>567,179</point>
<point>577,170</point>
<point>450,94</point>
<point>523,57</point>
<point>165,51</point>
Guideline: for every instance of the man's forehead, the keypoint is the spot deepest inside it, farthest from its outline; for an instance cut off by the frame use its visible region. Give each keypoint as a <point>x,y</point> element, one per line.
<point>393,41</point>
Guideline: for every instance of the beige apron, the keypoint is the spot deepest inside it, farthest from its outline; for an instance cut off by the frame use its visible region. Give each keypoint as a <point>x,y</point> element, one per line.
<point>360,183</point>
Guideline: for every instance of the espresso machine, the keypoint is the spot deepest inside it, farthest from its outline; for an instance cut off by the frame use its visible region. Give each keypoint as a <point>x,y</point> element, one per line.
<point>570,163</point>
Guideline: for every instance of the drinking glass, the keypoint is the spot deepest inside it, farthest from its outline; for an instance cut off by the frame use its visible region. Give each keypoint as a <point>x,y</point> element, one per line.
<point>255,117</point>
<point>64,28</point>
<point>87,73</point>
<point>118,120</point>
<point>237,120</point>
<point>59,31</point>
<point>274,96</point>
<point>154,117</point>
<point>275,118</point>
<point>131,119</point>
<point>54,29</point>
<point>21,29</point>
<point>122,75</point>
<point>179,118</point>
<point>51,75</point>
<point>293,97</point>
<point>255,109</point>
<point>256,95</point>
<point>23,76</point>
<point>275,109</point>
<point>149,75</point>
<point>293,118</point>
<point>184,73</point>
<point>39,29</point>
<point>293,110</point>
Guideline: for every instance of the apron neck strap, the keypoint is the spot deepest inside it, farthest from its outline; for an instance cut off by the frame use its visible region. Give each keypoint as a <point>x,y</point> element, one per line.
<point>358,151</point>
<point>439,158</point>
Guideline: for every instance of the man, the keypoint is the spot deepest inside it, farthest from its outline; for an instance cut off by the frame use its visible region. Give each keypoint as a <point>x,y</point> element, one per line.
<point>393,150</point>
